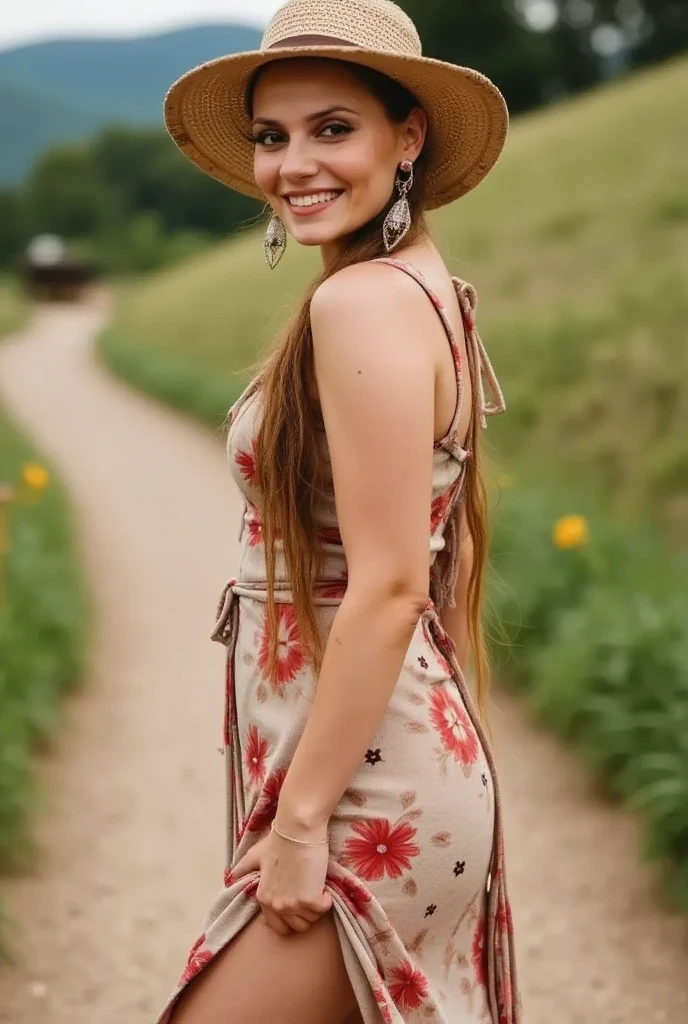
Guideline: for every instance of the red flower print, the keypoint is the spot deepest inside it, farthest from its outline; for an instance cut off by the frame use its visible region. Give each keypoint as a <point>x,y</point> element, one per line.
<point>255,752</point>
<point>438,510</point>
<point>381,849</point>
<point>454,726</point>
<point>504,919</point>
<point>255,533</point>
<point>408,986</point>
<point>382,1003</point>
<point>478,954</point>
<point>331,535</point>
<point>198,959</point>
<point>229,878</point>
<point>355,896</point>
<point>336,591</point>
<point>251,888</point>
<point>440,507</point>
<point>246,461</point>
<point>291,656</point>
<point>266,804</point>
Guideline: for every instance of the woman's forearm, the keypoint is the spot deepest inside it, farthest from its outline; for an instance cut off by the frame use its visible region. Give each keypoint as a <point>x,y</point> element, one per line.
<point>363,658</point>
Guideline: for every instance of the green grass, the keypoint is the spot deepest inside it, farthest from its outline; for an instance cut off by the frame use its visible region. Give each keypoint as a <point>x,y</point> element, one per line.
<point>578,246</point>
<point>43,630</point>
<point>13,306</point>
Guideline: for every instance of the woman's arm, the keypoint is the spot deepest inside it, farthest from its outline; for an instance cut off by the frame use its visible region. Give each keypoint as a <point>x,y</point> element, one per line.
<point>376,383</point>
<point>455,620</point>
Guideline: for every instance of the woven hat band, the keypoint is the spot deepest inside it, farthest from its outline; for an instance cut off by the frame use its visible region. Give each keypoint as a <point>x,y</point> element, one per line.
<point>367,24</point>
<point>309,41</point>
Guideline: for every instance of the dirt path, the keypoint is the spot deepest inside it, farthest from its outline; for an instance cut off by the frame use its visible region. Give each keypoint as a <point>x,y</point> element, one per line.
<point>132,834</point>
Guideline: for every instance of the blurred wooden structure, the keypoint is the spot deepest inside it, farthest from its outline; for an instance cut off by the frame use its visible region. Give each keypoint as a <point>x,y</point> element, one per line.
<point>48,272</point>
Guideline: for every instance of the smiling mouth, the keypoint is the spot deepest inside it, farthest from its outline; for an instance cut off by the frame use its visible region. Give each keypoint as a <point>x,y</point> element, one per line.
<point>315,199</point>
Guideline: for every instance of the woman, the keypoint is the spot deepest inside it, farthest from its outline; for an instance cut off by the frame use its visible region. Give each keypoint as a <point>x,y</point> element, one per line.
<point>365,875</point>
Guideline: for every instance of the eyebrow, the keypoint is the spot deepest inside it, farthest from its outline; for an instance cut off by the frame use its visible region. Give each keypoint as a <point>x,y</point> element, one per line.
<point>312,117</point>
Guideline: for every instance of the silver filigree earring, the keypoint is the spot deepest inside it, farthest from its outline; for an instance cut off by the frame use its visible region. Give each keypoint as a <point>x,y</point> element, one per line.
<point>275,241</point>
<point>398,220</point>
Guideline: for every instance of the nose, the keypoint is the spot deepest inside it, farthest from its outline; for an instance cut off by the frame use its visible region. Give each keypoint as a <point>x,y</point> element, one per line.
<point>298,161</point>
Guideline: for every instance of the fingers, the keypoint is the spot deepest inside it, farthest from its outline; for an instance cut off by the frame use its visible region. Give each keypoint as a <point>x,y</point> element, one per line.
<point>324,903</point>
<point>298,924</point>
<point>295,920</point>
<point>275,922</point>
<point>248,863</point>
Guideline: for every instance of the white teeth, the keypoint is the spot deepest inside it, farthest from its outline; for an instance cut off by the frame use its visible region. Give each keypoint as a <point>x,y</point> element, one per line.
<point>312,200</point>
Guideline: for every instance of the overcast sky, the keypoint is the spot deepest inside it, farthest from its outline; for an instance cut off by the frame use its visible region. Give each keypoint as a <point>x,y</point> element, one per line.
<point>31,20</point>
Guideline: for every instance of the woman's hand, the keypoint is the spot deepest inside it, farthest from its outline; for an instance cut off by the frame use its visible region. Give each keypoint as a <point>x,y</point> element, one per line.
<point>292,882</point>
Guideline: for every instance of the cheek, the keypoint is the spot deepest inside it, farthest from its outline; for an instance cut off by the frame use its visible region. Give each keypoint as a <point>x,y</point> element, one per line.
<point>266,171</point>
<point>367,171</point>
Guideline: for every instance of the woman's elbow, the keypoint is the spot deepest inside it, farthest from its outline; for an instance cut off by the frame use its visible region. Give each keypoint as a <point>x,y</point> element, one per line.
<point>401,593</point>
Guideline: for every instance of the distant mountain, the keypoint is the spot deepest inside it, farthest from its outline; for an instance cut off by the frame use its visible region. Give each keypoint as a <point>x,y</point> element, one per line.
<point>66,89</point>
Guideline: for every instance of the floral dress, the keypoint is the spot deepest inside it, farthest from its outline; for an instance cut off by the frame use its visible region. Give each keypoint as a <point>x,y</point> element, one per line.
<point>416,858</point>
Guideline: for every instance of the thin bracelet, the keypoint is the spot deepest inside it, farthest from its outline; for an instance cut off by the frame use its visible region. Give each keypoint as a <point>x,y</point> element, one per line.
<point>299,842</point>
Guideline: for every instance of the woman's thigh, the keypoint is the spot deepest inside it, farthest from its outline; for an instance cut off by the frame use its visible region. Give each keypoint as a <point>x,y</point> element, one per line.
<point>262,978</point>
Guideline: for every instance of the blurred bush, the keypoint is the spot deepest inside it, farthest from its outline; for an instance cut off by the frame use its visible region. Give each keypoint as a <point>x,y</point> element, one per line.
<point>597,639</point>
<point>126,199</point>
<point>43,621</point>
<point>42,632</point>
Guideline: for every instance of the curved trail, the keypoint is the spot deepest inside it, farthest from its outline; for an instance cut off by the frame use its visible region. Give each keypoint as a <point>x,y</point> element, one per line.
<point>132,834</point>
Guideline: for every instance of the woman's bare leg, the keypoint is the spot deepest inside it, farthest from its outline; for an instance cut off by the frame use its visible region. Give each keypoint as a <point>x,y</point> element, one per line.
<point>265,978</point>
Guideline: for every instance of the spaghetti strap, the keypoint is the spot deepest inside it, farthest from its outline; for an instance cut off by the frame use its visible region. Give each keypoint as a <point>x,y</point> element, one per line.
<point>481,367</point>
<point>449,439</point>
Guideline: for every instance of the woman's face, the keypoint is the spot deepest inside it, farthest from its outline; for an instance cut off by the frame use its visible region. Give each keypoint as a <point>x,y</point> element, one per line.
<point>326,152</point>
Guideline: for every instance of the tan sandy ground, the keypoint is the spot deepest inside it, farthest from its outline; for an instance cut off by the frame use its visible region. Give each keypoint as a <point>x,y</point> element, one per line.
<point>132,835</point>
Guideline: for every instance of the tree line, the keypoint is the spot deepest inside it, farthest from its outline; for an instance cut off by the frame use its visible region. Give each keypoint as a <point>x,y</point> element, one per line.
<point>127,199</point>
<point>132,202</point>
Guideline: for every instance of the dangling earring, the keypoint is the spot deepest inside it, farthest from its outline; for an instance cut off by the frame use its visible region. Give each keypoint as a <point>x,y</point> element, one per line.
<point>275,241</point>
<point>398,220</point>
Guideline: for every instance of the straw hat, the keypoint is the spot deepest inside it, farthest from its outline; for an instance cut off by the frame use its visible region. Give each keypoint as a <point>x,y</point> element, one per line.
<point>206,114</point>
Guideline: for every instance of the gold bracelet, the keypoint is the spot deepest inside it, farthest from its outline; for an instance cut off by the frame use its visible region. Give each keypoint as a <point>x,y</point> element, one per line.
<point>299,842</point>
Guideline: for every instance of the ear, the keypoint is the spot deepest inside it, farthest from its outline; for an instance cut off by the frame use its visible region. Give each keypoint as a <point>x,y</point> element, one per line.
<point>413,134</point>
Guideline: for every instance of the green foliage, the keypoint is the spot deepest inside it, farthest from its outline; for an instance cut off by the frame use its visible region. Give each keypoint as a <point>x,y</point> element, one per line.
<point>65,194</point>
<point>598,641</point>
<point>43,621</point>
<point>13,308</point>
<point>43,626</point>
<point>128,200</point>
<point>173,380</point>
<point>533,66</point>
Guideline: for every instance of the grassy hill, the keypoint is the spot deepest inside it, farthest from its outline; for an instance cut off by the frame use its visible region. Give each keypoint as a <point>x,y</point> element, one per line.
<point>65,89</point>
<point>578,245</point>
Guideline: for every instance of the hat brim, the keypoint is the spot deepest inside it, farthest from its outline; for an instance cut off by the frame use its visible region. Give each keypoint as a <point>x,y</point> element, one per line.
<point>206,116</point>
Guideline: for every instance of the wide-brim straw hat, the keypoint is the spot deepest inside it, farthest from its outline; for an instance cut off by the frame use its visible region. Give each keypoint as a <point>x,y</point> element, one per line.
<point>207,116</point>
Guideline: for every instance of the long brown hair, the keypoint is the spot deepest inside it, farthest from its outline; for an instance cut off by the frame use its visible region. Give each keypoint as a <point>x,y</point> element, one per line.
<point>289,461</point>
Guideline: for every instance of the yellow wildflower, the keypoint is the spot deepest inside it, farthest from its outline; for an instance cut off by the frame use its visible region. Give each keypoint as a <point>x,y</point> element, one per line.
<point>35,476</point>
<point>570,532</point>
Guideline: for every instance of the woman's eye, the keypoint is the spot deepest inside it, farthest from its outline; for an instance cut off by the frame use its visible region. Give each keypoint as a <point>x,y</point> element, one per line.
<point>331,131</point>
<point>268,138</point>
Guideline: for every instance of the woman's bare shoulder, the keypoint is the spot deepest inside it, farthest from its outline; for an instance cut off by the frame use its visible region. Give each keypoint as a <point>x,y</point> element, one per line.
<point>369,293</point>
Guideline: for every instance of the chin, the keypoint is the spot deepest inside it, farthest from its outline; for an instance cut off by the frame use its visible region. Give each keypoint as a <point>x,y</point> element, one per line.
<point>313,235</point>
